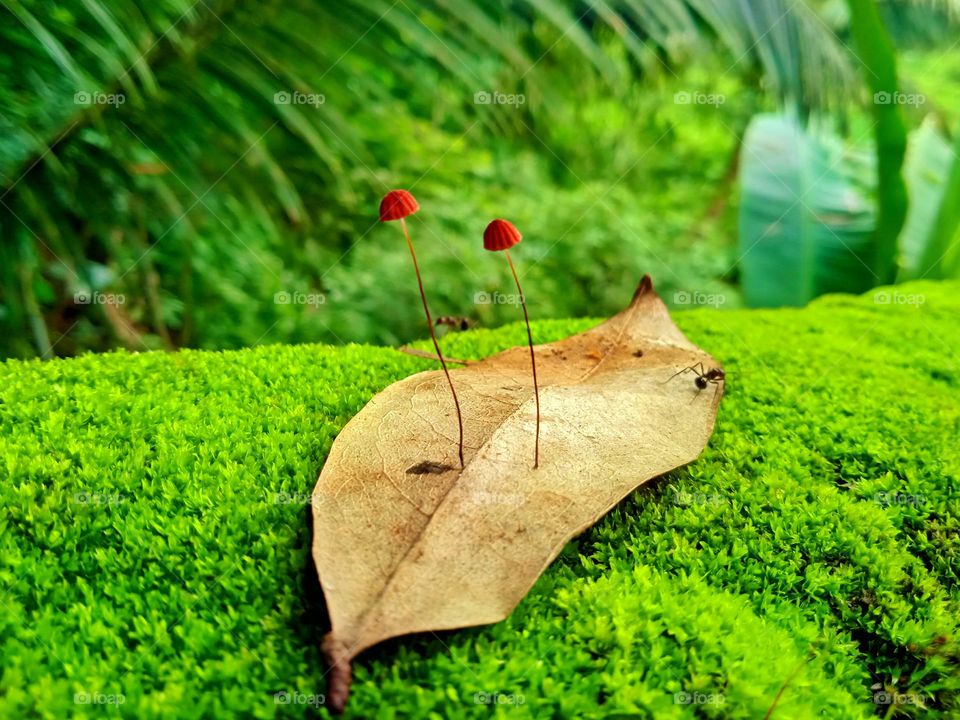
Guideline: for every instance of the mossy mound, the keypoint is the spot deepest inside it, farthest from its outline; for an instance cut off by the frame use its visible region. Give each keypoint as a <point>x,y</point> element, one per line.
<point>154,542</point>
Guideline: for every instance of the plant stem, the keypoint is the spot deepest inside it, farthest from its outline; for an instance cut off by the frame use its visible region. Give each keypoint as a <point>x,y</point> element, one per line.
<point>433,336</point>
<point>533,358</point>
<point>877,55</point>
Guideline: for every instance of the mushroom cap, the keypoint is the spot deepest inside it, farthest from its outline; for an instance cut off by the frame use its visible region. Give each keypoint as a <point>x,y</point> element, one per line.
<point>500,235</point>
<point>397,204</point>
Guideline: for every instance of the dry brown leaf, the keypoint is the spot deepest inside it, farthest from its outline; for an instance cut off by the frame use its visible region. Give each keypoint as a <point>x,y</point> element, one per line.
<point>405,541</point>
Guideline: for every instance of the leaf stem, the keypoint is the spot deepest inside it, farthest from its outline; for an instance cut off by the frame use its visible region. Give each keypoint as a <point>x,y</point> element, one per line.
<point>340,672</point>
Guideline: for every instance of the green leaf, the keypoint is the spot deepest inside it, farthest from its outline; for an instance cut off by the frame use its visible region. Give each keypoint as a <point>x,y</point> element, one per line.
<point>931,166</point>
<point>50,44</point>
<point>806,218</point>
<point>941,255</point>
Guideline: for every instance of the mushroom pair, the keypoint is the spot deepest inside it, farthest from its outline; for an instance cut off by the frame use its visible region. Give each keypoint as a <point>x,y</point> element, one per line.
<point>499,235</point>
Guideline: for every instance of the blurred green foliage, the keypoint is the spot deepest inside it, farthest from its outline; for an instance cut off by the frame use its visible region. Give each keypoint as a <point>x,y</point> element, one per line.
<point>172,171</point>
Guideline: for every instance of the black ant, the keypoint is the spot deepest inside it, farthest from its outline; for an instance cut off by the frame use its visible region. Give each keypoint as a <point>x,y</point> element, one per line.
<point>713,376</point>
<point>454,323</point>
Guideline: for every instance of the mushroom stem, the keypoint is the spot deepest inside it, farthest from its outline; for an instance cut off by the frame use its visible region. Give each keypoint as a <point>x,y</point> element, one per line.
<point>533,358</point>
<point>430,356</point>
<point>433,336</point>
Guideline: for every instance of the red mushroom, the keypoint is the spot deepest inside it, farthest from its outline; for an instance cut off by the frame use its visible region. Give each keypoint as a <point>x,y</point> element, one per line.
<point>502,235</point>
<point>396,205</point>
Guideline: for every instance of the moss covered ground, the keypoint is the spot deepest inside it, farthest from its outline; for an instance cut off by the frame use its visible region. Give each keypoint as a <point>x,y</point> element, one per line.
<point>154,539</point>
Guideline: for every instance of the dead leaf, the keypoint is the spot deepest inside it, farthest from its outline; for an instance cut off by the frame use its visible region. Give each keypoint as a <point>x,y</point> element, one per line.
<point>405,541</point>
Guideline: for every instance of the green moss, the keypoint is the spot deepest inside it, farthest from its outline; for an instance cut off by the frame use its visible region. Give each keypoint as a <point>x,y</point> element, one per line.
<point>154,542</point>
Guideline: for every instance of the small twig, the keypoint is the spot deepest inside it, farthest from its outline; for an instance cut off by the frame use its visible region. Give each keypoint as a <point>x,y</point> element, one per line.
<point>430,356</point>
<point>810,656</point>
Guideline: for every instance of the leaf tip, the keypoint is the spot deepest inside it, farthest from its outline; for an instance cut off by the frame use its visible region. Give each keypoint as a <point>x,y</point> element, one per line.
<point>645,287</point>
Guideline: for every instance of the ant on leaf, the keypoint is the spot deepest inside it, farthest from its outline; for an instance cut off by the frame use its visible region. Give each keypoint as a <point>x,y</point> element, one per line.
<point>713,376</point>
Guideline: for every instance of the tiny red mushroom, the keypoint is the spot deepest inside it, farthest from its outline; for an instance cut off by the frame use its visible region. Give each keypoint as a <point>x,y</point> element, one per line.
<point>397,205</point>
<point>503,235</point>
